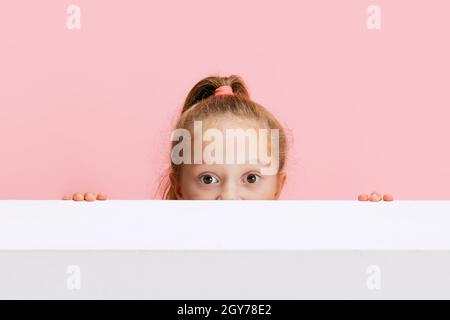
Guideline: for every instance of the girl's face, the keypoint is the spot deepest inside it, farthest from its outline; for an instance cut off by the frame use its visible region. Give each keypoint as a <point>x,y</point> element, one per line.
<point>228,181</point>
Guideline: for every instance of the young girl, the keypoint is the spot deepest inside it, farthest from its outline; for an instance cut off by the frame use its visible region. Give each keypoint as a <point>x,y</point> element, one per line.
<point>223,104</point>
<point>218,106</point>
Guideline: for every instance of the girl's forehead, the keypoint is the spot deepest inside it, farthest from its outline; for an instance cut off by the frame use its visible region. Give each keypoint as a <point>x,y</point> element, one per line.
<point>218,168</point>
<point>225,121</point>
<point>231,140</point>
<point>251,132</point>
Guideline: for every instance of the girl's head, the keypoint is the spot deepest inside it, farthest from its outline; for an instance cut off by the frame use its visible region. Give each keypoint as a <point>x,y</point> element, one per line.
<point>219,122</point>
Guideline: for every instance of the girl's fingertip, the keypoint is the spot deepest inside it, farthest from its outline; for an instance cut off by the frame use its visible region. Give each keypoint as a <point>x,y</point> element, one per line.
<point>388,197</point>
<point>78,197</point>
<point>375,197</point>
<point>90,196</point>
<point>363,197</point>
<point>101,197</point>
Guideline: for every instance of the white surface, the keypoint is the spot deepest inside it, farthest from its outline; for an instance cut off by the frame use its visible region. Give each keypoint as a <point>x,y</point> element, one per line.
<point>224,225</point>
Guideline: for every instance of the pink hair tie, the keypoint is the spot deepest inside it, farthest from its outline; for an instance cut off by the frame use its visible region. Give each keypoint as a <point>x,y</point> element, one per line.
<point>227,90</point>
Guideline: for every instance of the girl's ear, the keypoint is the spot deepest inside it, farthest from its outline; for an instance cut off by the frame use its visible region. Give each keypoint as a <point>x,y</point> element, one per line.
<point>280,184</point>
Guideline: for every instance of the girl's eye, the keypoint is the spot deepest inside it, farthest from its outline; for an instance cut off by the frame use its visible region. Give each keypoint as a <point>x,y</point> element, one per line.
<point>252,178</point>
<point>208,179</point>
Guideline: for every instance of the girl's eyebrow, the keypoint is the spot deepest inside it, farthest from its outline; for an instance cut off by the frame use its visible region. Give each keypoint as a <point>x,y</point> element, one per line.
<point>255,172</point>
<point>258,163</point>
<point>249,168</point>
<point>254,160</point>
<point>203,172</point>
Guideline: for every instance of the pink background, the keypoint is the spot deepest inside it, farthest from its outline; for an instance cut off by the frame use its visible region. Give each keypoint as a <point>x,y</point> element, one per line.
<point>92,109</point>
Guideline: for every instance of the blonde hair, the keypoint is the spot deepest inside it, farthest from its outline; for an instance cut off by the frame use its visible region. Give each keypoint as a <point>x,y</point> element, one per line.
<point>201,103</point>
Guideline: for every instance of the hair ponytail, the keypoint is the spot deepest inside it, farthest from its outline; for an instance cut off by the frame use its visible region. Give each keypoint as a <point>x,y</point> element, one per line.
<point>206,88</point>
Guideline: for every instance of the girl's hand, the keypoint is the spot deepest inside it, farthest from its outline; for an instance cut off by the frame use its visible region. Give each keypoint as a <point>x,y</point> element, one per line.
<point>87,196</point>
<point>375,197</point>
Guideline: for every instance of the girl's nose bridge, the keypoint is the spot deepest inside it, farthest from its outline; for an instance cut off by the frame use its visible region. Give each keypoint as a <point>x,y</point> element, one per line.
<point>229,191</point>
